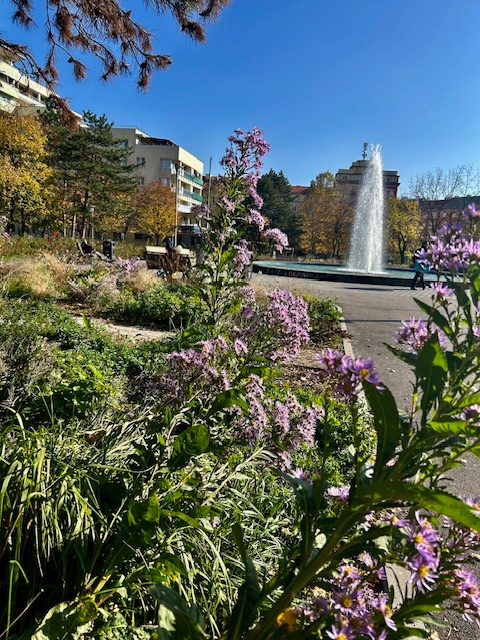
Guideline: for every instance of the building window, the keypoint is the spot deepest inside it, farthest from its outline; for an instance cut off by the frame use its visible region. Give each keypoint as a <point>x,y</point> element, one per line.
<point>140,161</point>
<point>141,181</point>
<point>165,164</point>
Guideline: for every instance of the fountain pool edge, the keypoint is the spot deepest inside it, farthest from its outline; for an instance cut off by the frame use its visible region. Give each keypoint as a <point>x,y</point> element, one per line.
<point>394,277</point>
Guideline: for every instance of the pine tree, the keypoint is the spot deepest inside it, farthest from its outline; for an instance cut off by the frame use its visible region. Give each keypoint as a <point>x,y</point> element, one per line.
<point>92,167</point>
<point>275,190</point>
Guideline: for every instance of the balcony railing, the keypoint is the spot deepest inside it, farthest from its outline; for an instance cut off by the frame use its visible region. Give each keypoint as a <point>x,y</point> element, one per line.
<point>191,177</point>
<point>189,194</point>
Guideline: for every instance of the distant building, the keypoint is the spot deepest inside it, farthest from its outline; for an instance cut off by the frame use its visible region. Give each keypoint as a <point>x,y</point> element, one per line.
<point>348,181</point>
<point>159,159</point>
<point>436,213</point>
<point>298,196</point>
<point>19,93</point>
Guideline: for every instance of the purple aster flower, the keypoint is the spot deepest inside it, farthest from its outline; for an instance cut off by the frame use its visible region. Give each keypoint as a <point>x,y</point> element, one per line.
<point>472,414</point>
<point>339,493</point>
<point>468,593</point>
<point>243,256</point>
<point>343,632</point>
<point>361,369</point>
<point>228,204</point>
<point>255,217</point>
<point>414,334</point>
<point>471,212</point>
<point>240,347</point>
<point>350,372</point>
<point>424,570</point>
<point>442,290</point>
<point>423,535</point>
<point>331,360</point>
<point>277,238</point>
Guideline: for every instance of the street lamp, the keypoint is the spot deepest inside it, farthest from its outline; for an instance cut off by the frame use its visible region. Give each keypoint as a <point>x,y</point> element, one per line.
<point>177,171</point>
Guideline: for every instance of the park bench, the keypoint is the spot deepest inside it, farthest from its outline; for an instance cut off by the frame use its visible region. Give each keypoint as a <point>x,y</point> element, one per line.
<point>173,261</point>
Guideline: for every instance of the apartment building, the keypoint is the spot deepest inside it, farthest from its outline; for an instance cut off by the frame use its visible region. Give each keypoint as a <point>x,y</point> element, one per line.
<point>299,194</point>
<point>348,181</point>
<point>159,159</point>
<point>19,93</point>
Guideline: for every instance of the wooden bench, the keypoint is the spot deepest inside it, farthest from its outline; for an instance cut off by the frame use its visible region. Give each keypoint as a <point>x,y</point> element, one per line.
<point>171,261</point>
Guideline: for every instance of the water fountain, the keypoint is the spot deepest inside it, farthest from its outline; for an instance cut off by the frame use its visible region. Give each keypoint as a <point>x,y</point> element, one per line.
<point>367,240</point>
<point>366,257</point>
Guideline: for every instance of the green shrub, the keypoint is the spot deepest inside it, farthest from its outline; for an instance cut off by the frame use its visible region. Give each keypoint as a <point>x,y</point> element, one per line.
<point>324,321</point>
<point>162,305</point>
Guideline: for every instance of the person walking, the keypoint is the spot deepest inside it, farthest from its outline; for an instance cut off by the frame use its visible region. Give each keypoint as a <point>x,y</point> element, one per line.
<point>419,267</point>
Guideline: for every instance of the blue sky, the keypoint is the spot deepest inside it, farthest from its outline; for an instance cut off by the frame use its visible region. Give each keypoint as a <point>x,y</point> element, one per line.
<point>320,77</point>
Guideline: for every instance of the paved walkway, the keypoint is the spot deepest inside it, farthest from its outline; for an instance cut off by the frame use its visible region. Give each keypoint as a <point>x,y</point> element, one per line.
<point>373,313</point>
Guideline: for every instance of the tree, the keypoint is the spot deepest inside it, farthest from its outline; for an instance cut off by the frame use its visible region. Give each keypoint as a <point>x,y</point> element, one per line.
<point>443,195</point>
<point>275,190</point>
<point>91,166</point>
<point>325,218</point>
<point>26,181</point>
<point>156,215</point>
<point>403,225</point>
<point>109,32</point>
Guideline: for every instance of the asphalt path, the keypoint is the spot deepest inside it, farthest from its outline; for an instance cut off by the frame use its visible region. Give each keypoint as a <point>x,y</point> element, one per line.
<point>372,314</point>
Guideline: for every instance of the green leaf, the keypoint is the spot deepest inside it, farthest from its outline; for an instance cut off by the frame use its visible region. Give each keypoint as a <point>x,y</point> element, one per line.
<point>423,497</point>
<point>303,492</point>
<point>182,516</point>
<point>137,529</point>
<point>436,315</point>
<point>145,511</point>
<point>387,424</point>
<point>67,621</point>
<point>227,399</point>
<point>245,609</point>
<point>463,300</point>
<point>467,401</point>
<point>474,277</point>
<point>432,371</point>
<point>405,356</point>
<point>177,619</point>
<point>226,257</point>
<point>452,426</point>
<point>189,443</point>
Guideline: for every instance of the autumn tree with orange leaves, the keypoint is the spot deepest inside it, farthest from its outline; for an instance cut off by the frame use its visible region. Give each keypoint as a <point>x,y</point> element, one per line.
<point>156,211</point>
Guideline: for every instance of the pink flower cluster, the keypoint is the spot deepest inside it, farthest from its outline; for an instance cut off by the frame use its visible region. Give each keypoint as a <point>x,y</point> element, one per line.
<point>286,321</point>
<point>435,558</point>
<point>243,256</point>
<point>278,331</point>
<point>355,606</point>
<point>199,368</point>
<point>282,426</point>
<point>246,151</point>
<point>450,250</point>
<point>348,372</point>
<point>413,334</point>
<point>277,238</point>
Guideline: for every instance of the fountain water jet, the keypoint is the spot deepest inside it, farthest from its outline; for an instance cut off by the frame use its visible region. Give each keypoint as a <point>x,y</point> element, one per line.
<point>367,241</point>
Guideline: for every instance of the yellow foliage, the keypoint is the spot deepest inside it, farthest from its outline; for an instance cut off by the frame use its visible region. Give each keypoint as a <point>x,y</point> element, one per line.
<point>156,210</point>
<point>288,620</point>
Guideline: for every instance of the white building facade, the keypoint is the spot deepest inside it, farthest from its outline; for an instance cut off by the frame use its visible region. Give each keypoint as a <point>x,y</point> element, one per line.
<point>18,92</point>
<point>159,159</point>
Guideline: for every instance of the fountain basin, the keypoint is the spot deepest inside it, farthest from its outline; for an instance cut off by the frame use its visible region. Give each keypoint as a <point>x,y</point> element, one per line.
<point>337,273</point>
